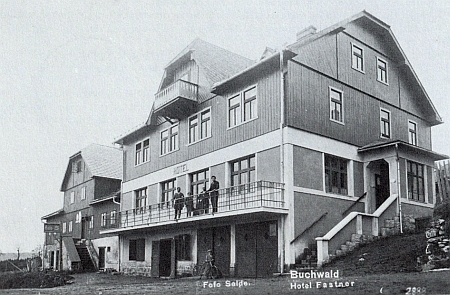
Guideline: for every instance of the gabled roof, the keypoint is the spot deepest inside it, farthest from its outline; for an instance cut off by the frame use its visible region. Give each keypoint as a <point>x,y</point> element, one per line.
<point>102,161</point>
<point>53,214</point>
<point>215,62</point>
<point>374,24</point>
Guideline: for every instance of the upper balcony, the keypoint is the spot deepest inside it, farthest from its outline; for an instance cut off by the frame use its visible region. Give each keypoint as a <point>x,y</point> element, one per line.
<point>176,100</point>
<point>255,198</point>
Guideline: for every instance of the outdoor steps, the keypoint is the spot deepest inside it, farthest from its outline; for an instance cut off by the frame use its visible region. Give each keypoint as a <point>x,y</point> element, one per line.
<point>85,257</point>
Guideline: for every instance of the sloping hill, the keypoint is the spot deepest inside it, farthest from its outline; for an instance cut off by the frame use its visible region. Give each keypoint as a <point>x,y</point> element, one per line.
<point>392,254</point>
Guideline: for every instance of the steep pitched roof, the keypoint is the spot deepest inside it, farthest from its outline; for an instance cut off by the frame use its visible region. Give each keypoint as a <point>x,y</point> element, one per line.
<point>366,19</point>
<point>102,161</point>
<point>215,62</point>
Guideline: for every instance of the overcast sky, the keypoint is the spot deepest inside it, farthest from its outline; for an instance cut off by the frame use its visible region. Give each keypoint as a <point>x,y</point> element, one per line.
<point>74,73</point>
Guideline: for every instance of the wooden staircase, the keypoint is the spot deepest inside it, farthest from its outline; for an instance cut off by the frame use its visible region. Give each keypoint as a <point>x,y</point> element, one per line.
<point>86,261</point>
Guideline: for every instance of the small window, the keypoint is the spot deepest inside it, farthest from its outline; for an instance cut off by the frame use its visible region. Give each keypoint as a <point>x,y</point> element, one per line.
<point>336,103</point>
<point>200,126</point>
<point>142,153</point>
<point>242,107</point>
<point>72,197</point>
<point>91,222</point>
<point>385,123</point>
<point>382,70</point>
<point>113,217</point>
<point>83,193</point>
<point>103,220</point>
<point>64,227</point>
<point>412,132</point>
<point>136,251</point>
<point>70,226</point>
<point>78,217</point>
<point>357,58</point>
<point>336,175</point>
<point>169,139</point>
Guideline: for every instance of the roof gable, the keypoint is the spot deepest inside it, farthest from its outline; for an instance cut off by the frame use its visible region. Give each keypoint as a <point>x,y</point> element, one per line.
<point>367,20</point>
<point>102,161</point>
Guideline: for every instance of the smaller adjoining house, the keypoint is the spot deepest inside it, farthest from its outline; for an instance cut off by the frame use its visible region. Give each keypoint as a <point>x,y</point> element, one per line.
<point>91,187</point>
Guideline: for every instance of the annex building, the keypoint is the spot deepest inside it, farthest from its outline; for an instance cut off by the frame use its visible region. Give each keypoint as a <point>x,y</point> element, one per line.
<point>91,196</point>
<point>328,138</point>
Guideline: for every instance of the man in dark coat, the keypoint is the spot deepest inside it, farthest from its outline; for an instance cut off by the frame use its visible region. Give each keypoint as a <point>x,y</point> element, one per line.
<point>214,193</point>
<point>178,202</point>
<point>189,202</point>
<point>204,198</point>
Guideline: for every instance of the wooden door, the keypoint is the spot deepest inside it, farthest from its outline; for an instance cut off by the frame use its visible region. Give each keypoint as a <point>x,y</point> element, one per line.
<point>155,259</point>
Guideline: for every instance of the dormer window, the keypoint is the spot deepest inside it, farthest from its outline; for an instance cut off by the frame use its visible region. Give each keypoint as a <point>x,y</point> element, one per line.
<point>169,139</point>
<point>242,107</point>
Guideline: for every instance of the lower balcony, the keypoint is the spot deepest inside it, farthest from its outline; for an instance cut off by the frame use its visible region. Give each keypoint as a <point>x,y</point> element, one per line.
<point>260,197</point>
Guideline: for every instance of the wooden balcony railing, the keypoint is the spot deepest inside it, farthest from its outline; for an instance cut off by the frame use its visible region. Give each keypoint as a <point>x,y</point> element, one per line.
<point>180,88</point>
<point>254,195</point>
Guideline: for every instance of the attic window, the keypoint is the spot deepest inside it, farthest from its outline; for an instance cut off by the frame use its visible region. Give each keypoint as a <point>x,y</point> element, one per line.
<point>77,167</point>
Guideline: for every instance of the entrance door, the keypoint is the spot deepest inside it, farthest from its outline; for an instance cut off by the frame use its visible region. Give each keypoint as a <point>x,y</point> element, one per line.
<point>382,184</point>
<point>101,257</point>
<point>165,253</point>
<point>256,249</point>
<point>218,240</point>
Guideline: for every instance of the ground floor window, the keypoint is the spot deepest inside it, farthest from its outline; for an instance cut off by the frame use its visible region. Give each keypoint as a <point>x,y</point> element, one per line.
<point>137,250</point>
<point>416,182</point>
<point>335,175</point>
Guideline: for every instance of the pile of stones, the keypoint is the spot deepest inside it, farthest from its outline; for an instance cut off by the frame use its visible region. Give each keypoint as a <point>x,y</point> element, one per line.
<point>438,247</point>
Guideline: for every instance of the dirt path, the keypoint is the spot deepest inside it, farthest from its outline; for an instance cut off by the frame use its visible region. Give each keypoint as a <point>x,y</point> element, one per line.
<point>106,284</point>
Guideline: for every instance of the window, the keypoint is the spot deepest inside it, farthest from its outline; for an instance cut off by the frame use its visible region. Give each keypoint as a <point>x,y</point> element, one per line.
<point>336,101</point>
<point>91,222</point>
<point>168,190</point>
<point>113,217</point>
<point>64,227</point>
<point>385,123</point>
<point>104,217</point>
<point>243,171</point>
<point>136,250</point>
<point>242,107</point>
<point>83,193</point>
<point>169,139</point>
<point>78,217</point>
<point>416,182</point>
<point>142,154</point>
<point>335,175</point>
<point>70,226</point>
<point>72,197</point>
<point>382,73</point>
<point>199,180</point>
<point>412,132</point>
<point>357,58</point>
<point>141,198</point>
<point>200,126</point>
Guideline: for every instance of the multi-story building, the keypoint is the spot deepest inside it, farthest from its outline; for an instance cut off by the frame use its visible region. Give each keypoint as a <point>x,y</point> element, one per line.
<point>325,139</point>
<point>91,188</point>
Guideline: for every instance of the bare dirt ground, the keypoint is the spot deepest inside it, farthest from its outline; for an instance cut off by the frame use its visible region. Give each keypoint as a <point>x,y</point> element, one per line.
<point>106,284</point>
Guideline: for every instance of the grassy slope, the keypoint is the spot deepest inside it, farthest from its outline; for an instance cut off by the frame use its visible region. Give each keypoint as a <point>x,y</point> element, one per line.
<point>387,255</point>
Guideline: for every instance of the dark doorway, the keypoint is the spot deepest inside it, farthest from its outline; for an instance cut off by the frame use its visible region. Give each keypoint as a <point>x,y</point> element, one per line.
<point>101,257</point>
<point>217,239</point>
<point>165,252</point>
<point>382,183</point>
<point>84,225</point>
<point>256,249</point>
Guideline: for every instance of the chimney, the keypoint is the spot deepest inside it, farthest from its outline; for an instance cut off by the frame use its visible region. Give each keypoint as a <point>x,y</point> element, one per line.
<point>309,31</point>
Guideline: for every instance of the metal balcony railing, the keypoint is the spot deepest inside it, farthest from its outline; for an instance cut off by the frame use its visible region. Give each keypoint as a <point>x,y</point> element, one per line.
<point>254,195</point>
<point>180,88</point>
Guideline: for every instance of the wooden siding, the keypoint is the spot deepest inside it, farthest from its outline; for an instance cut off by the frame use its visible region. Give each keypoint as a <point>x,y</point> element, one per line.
<point>320,55</point>
<point>307,108</point>
<point>268,105</point>
<point>367,81</point>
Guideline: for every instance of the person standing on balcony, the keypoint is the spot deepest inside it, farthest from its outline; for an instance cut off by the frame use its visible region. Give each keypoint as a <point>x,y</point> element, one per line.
<point>189,202</point>
<point>214,193</point>
<point>178,202</point>
<point>204,198</point>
